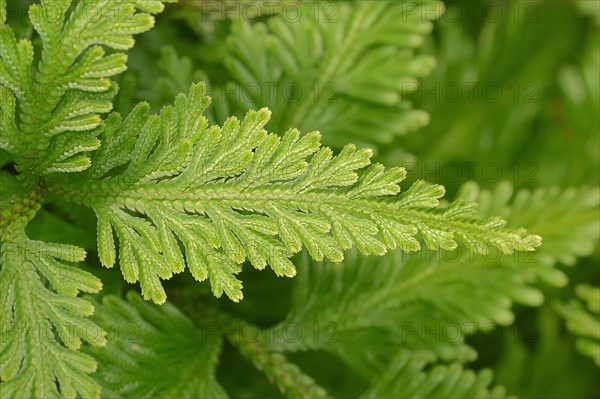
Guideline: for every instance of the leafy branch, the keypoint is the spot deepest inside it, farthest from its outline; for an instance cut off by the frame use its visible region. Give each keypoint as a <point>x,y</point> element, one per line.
<point>408,376</point>
<point>41,320</point>
<point>237,192</point>
<point>50,101</point>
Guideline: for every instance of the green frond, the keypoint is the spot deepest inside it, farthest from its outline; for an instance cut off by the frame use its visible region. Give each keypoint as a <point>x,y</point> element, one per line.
<point>178,74</point>
<point>60,99</point>
<point>411,375</point>
<point>42,321</point>
<point>583,319</point>
<point>43,324</point>
<point>393,283</point>
<point>154,352</point>
<point>340,67</point>
<point>237,192</point>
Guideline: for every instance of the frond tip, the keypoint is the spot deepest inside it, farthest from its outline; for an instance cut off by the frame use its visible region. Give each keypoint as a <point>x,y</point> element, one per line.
<point>236,192</point>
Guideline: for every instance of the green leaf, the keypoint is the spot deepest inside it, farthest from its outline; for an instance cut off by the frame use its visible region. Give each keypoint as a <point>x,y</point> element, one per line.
<point>237,192</point>
<point>565,217</point>
<point>154,352</point>
<point>364,309</point>
<point>227,193</point>
<point>42,322</point>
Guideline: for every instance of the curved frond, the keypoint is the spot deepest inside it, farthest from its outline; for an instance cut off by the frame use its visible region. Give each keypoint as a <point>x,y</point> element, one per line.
<point>42,321</point>
<point>237,192</point>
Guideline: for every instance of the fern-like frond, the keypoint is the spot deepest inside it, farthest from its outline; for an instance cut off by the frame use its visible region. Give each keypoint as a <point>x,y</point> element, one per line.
<point>154,352</point>
<point>410,375</point>
<point>343,68</point>
<point>237,192</point>
<point>42,321</point>
<point>583,319</point>
<point>59,98</point>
